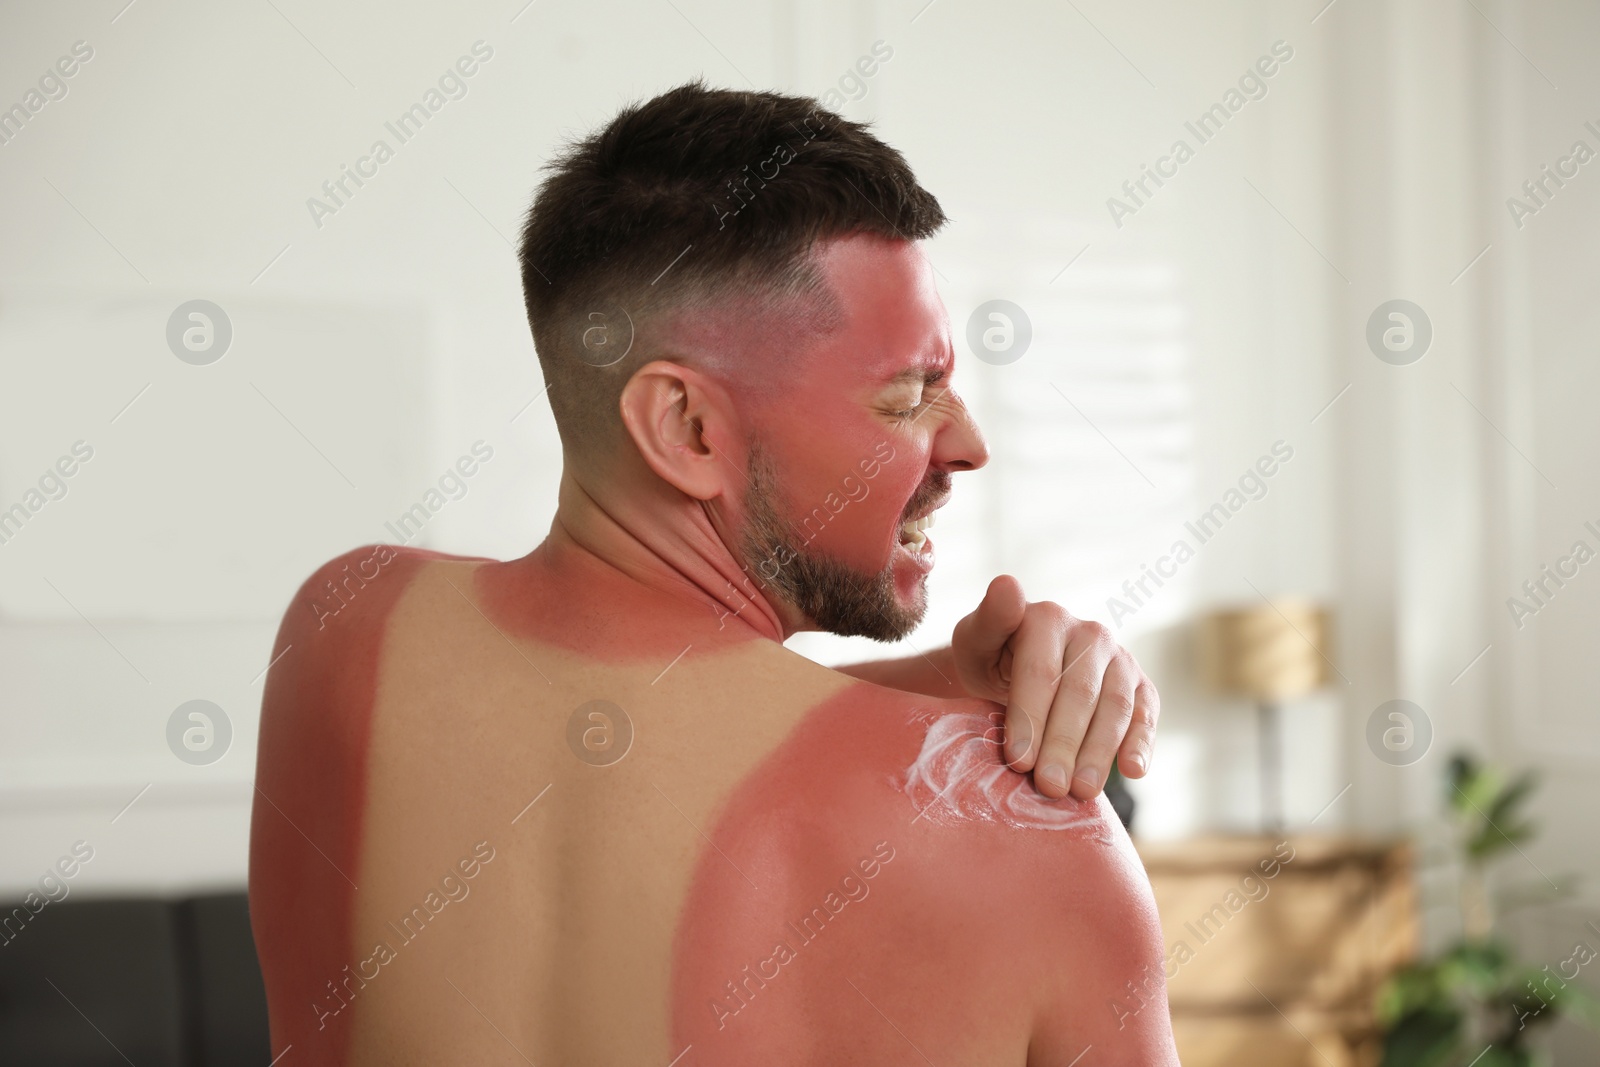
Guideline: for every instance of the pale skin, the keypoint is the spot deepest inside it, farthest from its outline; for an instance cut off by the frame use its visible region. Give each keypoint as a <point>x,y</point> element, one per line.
<point>428,723</point>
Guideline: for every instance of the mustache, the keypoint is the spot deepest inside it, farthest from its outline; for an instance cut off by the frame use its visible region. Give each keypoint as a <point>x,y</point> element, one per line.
<point>936,487</point>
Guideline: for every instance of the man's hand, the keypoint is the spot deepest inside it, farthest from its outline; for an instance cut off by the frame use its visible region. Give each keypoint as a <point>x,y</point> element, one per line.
<point>1075,699</point>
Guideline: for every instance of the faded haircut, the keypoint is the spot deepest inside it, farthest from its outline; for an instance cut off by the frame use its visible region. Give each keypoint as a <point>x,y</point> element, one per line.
<point>697,201</point>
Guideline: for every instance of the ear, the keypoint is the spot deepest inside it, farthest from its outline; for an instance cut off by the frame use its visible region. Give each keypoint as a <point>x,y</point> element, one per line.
<point>684,425</point>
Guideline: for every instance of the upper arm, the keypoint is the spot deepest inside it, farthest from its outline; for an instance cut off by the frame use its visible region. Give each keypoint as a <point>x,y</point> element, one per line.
<point>306,826</point>
<point>1099,957</point>
<point>1070,915</point>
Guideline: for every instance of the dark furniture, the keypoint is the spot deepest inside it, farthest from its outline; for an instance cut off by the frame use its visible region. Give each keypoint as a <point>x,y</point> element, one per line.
<point>160,983</point>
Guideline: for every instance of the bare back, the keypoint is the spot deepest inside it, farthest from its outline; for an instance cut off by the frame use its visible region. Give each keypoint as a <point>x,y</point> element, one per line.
<point>779,865</point>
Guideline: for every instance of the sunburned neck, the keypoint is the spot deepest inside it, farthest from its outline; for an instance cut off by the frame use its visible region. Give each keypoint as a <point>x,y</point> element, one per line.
<point>631,580</point>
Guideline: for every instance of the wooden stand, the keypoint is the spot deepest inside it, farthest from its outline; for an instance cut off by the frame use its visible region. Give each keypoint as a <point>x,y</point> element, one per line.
<point>1281,970</point>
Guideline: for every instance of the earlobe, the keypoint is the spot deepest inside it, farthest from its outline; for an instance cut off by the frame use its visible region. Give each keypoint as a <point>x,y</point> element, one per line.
<point>671,412</point>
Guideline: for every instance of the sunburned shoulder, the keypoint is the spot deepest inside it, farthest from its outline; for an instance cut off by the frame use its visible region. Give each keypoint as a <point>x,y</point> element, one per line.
<point>948,780</point>
<point>335,628</point>
<point>1053,887</point>
<point>1036,911</point>
<point>930,773</point>
<point>942,758</point>
<point>358,586</point>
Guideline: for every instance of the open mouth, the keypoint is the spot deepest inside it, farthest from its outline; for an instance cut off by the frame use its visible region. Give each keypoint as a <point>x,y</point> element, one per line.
<point>914,533</point>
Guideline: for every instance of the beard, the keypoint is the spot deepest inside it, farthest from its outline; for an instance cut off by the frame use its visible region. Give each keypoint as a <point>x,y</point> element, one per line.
<point>835,596</point>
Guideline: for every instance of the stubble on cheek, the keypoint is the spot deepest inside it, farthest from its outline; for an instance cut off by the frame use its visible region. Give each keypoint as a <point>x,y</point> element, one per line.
<point>796,563</point>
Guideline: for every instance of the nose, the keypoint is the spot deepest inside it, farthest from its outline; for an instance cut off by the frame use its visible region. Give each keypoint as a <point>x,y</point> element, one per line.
<point>959,445</point>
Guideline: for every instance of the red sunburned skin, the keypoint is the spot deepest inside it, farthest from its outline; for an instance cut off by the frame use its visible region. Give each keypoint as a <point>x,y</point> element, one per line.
<point>854,420</point>
<point>305,830</point>
<point>835,414</point>
<point>890,923</point>
<point>563,595</point>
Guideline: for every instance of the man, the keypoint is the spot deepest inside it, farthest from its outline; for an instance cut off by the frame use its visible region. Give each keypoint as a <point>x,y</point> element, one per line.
<point>584,807</point>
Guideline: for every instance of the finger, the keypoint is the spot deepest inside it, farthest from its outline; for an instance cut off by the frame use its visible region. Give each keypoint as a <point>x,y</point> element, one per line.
<point>1036,652</point>
<point>978,639</point>
<point>1113,713</point>
<point>1139,745</point>
<point>1088,652</point>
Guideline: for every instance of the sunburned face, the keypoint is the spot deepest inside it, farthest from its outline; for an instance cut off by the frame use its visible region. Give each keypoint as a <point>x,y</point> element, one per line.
<point>852,454</point>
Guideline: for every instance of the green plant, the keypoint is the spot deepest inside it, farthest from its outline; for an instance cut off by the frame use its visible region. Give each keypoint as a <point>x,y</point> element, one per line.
<point>1476,1003</point>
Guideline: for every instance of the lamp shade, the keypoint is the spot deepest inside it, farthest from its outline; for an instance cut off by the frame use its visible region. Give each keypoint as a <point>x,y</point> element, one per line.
<point>1268,653</point>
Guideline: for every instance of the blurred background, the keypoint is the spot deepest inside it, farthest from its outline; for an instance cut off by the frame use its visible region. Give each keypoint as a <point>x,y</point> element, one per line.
<point>1306,289</point>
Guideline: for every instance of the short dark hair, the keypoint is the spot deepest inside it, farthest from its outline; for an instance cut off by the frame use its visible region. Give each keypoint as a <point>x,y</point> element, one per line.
<point>693,198</point>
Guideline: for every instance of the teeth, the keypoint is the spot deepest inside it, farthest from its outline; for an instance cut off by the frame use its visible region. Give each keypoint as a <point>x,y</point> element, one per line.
<point>914,533</point>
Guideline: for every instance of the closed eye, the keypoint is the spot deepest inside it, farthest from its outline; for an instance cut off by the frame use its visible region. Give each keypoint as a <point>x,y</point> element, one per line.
<point>926,395</point>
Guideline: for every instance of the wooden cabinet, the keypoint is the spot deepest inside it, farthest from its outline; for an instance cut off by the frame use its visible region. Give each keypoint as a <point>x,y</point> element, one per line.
<point>1276,946</point>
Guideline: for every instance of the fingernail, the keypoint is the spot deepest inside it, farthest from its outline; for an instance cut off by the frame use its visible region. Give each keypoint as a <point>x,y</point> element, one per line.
<point>1139,761</point>
<point>1016,748</point>
<point>1089,777</point>
<point>1055,774</point>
